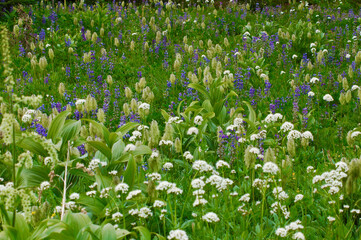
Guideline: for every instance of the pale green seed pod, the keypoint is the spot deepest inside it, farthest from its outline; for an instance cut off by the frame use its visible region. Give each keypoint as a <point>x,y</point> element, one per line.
<point>51,54</point>
<point>94,37</point>
<point>178,145</point>
<point>126,109</point>
<point>226,43</point>
<point>75,21</point>
<point>304,142</point>
<point>158,37</point>
<point>309,66</point>
<point>132,45</point>
<point>128,93</point>
<point>16,30</point>
<point>200,43</point>
<point>350,71</point>
<point>101,33</point>
<point>345,84</point>
<point>287,163</point>
<point>32,46</point>
<point>291,147</point>
<point>349,139</point>
<point>172,79</point>
<point>88,35</point>
<point>342,98</point>
<point>61,89</point>
<point>116,42</point>
<point>249,158</point>
<point>101,115</point>
<point>109,80</point>
<point>68,108</point>
<point>168,132</point>
<point>84,132</point>
<point>154,134</point>
<point>92,23</point>
<point>43,63</point>
<point>70,50</point>
<point>270,155</point>
<point>348,96</point>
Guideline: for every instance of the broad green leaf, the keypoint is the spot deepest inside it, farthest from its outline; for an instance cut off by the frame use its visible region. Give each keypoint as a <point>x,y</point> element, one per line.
<point>108,232</point>
<point>104,149</point>
<point>200,89</point>
<point>126,128</point>
<point>144,233</point>
<point>142,150</point>
<point>130,172</point>
<point>252,113</point>
<point>31,178</point>
<point>30,144</point>
<point>101,127</point>
<point>70,130</point>
<point>121,233</point>
<point>56,125</point>
<point>117,150</point>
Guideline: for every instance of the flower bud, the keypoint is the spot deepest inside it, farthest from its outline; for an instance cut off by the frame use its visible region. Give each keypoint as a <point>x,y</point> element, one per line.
<point>16,30</point>
<point>51,53</point>
<point>101,115</point>
<point>61,89</point>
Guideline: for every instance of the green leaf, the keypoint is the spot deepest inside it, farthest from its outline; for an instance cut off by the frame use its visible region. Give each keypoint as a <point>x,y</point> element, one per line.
<point>108,232</point>
<point>30,144</point>
<point>104,149</point>
<point>31,178</point>
<point>99,126</point>
<point>56,125</point>
<point>144,233</point>
<point>130,172</point>
<point>200,89</point>
<point>142,150</point>
<point>121,233</point>
<point>252,113</point>
<point>70,130</point>
<point>126,128</point>
<point>117,150</point>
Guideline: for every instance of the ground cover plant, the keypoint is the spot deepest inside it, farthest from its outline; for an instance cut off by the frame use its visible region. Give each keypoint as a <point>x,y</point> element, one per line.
<point>167,120</point>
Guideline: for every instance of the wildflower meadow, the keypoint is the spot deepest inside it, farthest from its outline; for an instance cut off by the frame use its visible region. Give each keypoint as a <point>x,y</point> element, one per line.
<point>180,120</point>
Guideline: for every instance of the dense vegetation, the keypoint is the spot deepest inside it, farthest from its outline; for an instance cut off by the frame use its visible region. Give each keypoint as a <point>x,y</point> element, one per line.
<point>167,120</point>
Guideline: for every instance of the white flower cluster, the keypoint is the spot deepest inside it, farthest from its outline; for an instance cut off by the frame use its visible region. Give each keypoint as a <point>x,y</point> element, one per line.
<point>219,182</point>
<point>192,130</point>
<point>159,204</point>
<point>270,167</point>
<point>198,120</point>
<point>328,98</point>
<point>287,126</point>
<point>95,164</point>
<point>169,187</point>
<point>202,166</point>
<point>174,120</point>
<point>294,134</point>
<point>273,117</point>
<point>129,147</point>
<point>280,194</point>
<point>122,187</point>
<point>333,179</point>
<point>177,235</point>
<point>222,163</point>
<point>307,135</point>
<point>210,217</point>
<point>133,194</point>
<point>167,166</point>
<point>278,206</point>
<point>292,227</point>
<point>188,155</point>
<point>165,142</point>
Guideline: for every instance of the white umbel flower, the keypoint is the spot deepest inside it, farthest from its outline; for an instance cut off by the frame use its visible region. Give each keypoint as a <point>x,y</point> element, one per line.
<point>198,120</point>
<point>210,217</point>
<point>270,167</point>
<point>328,98</point>
<point>192,130</point>
<point>177,235</point>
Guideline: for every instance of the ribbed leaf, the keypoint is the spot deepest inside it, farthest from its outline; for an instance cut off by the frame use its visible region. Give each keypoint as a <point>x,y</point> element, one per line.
<point>117,150</point>
<point>252,113</point>
<point>130,172</point>
<point>33,146</point>
<point>104,149</point>
<point>142,150</point>
<point>144,233</point>
<point>108,232</point>
<point>56,125</point>
<point>100,127</point>
<point>126,128</point>
<point>30,178</point>
<point>70,130</point>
